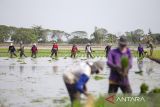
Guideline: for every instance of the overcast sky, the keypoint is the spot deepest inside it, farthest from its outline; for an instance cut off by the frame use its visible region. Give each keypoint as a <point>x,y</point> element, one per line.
<point>117,16</point>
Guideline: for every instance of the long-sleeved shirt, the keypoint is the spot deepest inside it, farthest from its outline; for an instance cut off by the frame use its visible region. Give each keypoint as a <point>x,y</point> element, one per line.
<point>11,49</point>
<point>34,49</point>
<point>88,49</point>
<point>74,49</point>
<point>140,49</point>
<point>114,59</point>
<point>55,47</point>
<point>78,74</point>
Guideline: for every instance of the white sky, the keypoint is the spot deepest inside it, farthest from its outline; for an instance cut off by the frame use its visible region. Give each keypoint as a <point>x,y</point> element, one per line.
<point>71,15</point>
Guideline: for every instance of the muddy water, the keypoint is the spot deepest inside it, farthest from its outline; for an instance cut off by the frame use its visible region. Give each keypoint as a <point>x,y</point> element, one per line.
<point>38,82</point>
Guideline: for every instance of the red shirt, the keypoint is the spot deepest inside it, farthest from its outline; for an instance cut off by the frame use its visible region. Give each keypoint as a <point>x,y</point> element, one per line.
<point>55,46</point>
<point>74,49</point>
<point>34,49</point>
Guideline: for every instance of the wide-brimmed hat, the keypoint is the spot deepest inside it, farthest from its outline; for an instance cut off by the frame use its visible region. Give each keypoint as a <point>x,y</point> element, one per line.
<point>99,65</point>
<point>123,40</point>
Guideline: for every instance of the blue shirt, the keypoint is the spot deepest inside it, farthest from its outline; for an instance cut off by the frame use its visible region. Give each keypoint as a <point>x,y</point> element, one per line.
<point>81,83</point>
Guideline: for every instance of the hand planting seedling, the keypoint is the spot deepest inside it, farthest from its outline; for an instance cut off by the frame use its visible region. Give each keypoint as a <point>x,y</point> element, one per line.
<point>124,66</point>
<point>124,62</point>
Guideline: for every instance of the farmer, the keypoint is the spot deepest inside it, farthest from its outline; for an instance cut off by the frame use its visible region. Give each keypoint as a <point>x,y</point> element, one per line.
<point>140,50</point>
<point>107,49</point>
<point>150,45</point>
<point>21,50</point>
<point>74,50</point>
<point>76,77</point>
<point>119,74</point>
<point>34,51</point>
<point>12,50</point>
<point>54,49</point>
<point>88,50</point>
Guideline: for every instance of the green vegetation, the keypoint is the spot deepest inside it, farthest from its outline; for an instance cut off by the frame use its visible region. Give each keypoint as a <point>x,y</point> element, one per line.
<point>97,77</point>
<point>144,88</point>
<point>66,53</point>
<point>124,62</point>
<point>156,90</point>
<point>47,52</point>
<point>99,36</point>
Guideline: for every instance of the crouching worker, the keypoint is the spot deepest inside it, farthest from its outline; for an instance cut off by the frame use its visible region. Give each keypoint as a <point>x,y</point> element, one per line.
<point>12,50</point>
<point>140,51</point>
<point>21,50</point>
<point>89,50</point>
<point>54,49</point>
<point>34,51</point>
<point>74,51</point>
<point>75,78</point>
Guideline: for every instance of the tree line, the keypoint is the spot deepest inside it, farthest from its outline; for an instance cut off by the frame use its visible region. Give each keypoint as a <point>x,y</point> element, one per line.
<point>99,36</point>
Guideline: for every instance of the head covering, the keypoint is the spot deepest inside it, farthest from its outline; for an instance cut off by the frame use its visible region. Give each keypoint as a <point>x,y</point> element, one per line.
<point>123,40</point>
<point>11,44</point>
<point>99,65</point>
<point>34,44</point>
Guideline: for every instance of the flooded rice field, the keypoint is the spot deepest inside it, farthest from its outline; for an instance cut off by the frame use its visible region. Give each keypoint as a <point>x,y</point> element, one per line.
<point>38,82</point>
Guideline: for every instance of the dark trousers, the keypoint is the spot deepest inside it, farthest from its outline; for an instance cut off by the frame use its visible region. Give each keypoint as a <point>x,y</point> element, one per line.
<point>12,53</point>
<point>22,54</point>
<point>54,52</point>
<point>34,54</point>
<point>73,54</point>
<point>73,93</point>
<point>89,54</point>
<point>113,88</point>
<point>140,54</point>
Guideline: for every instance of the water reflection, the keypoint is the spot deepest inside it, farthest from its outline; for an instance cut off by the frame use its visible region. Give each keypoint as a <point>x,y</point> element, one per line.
<point>140,63</point>
<point>21,68</point>
<point>33,68</point>
<point>149,68</point>
<point>34,60</point>
<point>55,69</point>
<point>41,78</point>
<point>11,67</point>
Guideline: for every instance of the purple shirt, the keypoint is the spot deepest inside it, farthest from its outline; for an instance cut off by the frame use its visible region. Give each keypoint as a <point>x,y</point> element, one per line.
<point>140,49</point>
<point>114,59</point>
